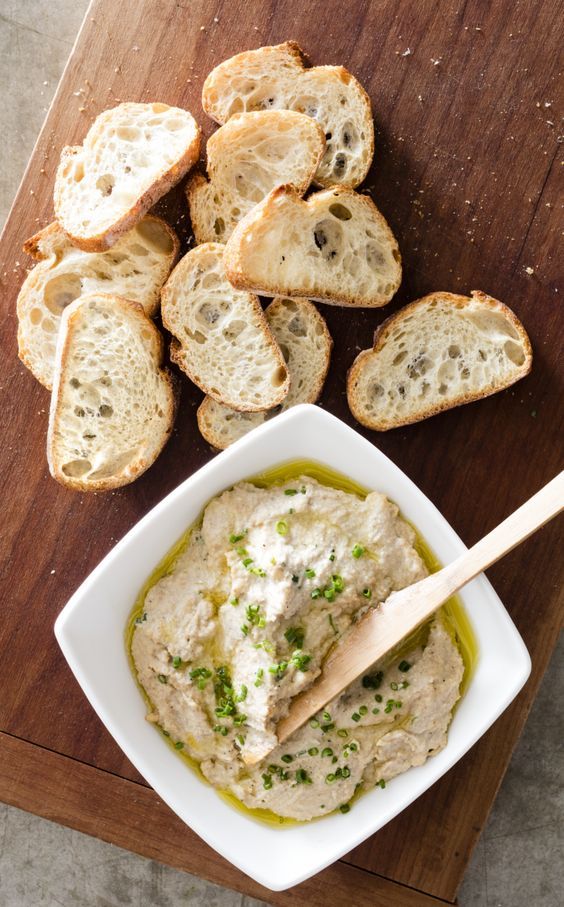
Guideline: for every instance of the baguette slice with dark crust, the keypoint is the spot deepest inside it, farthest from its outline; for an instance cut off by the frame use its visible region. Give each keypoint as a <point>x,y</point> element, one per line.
<point>277,78</point>
<point>131,156</point>
<point>113,405</point>
<point>335,247</point>
<point>247,158</point>
<point>222,339</point>
<point>436,353</point>
<point>136,267</point>
<point>306,343</point>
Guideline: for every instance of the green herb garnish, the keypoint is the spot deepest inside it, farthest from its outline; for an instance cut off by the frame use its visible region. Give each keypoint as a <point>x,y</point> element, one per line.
<point>295,636</point>
<point>372,681</point>
<point>282,527</point>
<point>404,666</point>
<point>358,551</point>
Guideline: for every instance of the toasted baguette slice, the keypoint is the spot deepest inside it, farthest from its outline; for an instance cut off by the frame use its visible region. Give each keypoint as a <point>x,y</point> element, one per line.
<point>252,154</point>
<point>335,247</point>
<point>439,352</point>
<point>306,344</point>
<point>136,267</point>
<point>223,341</point>
<point>131,156</point>
<point>275,78</point>
<point>113,406</point>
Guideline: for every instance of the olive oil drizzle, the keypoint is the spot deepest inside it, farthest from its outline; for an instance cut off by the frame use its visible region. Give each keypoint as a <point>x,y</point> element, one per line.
<point>452,612</point>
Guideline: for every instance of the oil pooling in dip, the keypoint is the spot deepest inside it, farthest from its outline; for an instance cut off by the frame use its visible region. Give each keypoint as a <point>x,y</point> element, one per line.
<point>299,563</point>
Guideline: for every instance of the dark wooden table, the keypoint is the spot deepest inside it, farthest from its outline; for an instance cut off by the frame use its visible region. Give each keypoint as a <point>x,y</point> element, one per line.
<point>466,170</point>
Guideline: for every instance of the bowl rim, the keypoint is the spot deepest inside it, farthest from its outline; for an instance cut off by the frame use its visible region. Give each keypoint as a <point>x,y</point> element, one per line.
<point>296,421</point>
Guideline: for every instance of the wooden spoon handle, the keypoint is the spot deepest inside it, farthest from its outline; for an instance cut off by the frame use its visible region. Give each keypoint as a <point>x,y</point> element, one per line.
<point>534,513</point>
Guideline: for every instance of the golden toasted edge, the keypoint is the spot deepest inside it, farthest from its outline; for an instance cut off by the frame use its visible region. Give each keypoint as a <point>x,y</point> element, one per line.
<point>233,258</point>
<point>107,484</point>
<point>100,242</point>
<point>381,335</point>
<point>177,354</point>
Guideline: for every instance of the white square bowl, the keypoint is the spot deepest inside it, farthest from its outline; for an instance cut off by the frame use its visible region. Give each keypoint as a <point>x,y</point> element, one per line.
<point>90,631</point>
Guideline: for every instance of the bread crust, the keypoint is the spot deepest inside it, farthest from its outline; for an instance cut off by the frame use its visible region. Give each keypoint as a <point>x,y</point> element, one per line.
<point>99,242</point>
<point>234,265</point>
<point>383,332</point>
<point>107,484</point>
<point>297,58</point>
<point>176,350</point>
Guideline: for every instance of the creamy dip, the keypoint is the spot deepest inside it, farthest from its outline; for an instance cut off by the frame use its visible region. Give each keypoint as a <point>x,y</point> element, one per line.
<point>265,587</point>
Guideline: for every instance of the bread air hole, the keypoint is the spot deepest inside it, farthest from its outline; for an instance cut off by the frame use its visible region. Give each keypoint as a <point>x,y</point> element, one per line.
<point>78,172</point>
<point>219,226</point>
<point>285,351</point>
<point>397,360</point>
<point>297,327</point>
<point>105,184</point>
<point>35,316</point>
<point>327,236</point>
<point>279,377</point>
<point>375,257</point>
<point>156,236</point>
<point>105,410</point>
<point>454,351</point>
<point>76,468</point>
<point>61,291</point>
<point>376,390</point>
<point>340,212</point>
<point>514,352</point>
<point>340,165</point>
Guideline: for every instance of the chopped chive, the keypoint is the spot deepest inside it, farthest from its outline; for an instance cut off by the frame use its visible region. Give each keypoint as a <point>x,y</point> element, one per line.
<point>240,739</point>
<point>326,752</point>
<point>162,678</point>
<point>221,729</point>
<point>314,723</point>
<point>295,636</point>
<point>313,751</point>
<point>260,675</point>
<point>367,593</point>
<point>244,629</point>
<point>329,595</point>
<point>278,669</point>
<point>310,573</point>
<point>353,747</point>
<point>329,778</point>
<point>179,745</point>
<point>376,711</point>
<point>327,727</point>
<point>234,602</point>
<point>238,720</point>
<point>242,552</point>
<point>355,716</point>
<point>332,624</point>
<point>363,710</point>
<point>290,491</point>
<point>243,694</point>
<point>267,782</point>
<point>282,527</point>
<point>287,758</point>
<point>317,593</point>
<point>332,555</point>
<point>247,561</point>
<point>358,551</point>
<point>140,620</point>
<point>165,733</point>
<point>326,716</point>
<point>404,666</point>
<point>295,579</point>
<point>337,582</point>
<point>378,697</point>
<point>342,732</point>
<point>302,776</point>
<point>344,808</point>
<point>372,681</point>
<point>301,661</point>
<point>381,783</point>
<point>393,685</point>
<point>236,537</point>
<point>176,661</point>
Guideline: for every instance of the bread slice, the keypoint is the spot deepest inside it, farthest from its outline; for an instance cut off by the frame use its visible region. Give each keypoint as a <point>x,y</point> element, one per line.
<point>223,341</point>
<point>275,78</point>
<point>335,247</point>
<point>136,267</point>
<point>252,154</point>
<point>113,406</point>
<point>439,352</point>
<point>306,344</point>
<point>131,156</point>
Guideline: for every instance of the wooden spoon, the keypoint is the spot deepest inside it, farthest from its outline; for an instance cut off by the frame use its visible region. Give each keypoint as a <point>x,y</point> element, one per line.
<point>384,626</point>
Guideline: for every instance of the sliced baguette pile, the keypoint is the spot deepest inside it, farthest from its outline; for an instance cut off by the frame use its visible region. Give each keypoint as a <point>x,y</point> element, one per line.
<point>84,310</point>
<point>438,352</point>
<point>306,344</point>
<point>132,155</point>
<point>275,78</point>
<point>222,339</point>
<point>135,267</point>
<point>247,158</point>
<point>335,247</point>
<point>112,406</point>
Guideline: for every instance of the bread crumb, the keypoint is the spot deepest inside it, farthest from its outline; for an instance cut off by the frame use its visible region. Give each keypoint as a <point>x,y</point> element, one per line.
<point>435,62</point>
<point>530,270</point>
<point>406,53</point>
<point>52,572</point>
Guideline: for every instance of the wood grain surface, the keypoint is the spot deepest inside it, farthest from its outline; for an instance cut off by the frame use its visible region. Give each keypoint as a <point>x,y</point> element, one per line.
<point>467,170</point>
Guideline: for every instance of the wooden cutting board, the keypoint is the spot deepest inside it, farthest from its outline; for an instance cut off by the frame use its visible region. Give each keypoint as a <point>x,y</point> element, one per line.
<point>466,171</point>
